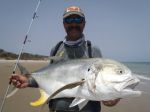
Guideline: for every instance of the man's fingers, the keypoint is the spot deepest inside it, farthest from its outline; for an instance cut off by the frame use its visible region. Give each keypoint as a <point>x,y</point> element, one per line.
<point>18,81</point>
<point>18,84</point>
<point>14,81</point>
<point>111,102</point>
<point>24,85</point>
<point>15,77</point>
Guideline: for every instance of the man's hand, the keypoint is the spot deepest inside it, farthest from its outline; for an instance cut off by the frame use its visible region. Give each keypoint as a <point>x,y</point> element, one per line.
<point>111,103</point>
<point>19,81</point>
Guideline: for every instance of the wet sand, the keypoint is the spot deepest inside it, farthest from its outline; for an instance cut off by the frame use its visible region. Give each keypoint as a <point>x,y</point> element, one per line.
<point>20,101</point>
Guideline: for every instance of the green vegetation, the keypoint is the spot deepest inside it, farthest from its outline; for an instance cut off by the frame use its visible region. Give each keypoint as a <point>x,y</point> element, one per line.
<point>25,56</point>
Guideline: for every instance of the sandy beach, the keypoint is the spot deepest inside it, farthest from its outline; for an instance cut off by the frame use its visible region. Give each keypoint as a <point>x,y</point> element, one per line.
<point>20,101</point>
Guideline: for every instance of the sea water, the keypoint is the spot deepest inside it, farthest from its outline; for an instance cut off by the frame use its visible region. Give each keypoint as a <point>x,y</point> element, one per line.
<point>141,68</point>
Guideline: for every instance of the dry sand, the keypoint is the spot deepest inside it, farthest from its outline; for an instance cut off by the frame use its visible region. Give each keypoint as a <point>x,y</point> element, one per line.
<point>20,101</point>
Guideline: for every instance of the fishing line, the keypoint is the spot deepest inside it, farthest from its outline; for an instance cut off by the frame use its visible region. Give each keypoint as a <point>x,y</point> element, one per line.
<point>23,45</point>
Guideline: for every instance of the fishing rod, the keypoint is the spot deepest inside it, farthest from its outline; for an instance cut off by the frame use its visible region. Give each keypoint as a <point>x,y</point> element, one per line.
<point>21,50</point>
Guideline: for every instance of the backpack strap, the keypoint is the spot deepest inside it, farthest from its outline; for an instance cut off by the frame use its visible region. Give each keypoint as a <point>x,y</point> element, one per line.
<point>56,49</point>
<point>60,43</point>
<point>89,48</point>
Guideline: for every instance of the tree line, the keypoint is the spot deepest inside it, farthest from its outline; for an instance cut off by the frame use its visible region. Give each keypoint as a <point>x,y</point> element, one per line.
<point>25,56</point>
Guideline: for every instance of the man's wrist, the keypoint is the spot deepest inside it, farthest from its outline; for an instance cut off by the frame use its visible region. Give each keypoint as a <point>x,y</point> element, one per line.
<point>32,82</point>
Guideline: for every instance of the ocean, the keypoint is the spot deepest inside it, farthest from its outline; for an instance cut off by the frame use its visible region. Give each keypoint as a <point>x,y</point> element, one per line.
<point>141,68</point>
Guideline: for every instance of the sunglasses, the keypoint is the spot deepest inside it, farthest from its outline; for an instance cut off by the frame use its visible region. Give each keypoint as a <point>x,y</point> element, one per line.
<point>70,20</point>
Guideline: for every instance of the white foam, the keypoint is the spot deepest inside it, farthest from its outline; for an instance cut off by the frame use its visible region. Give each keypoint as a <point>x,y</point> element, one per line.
<point>143,77</point>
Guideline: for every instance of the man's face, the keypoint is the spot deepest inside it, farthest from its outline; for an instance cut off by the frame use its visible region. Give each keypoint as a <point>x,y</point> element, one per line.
<point>74,25</point>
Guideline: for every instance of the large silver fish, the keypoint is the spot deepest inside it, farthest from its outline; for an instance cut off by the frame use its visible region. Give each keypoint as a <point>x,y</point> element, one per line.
<point>85,79</point>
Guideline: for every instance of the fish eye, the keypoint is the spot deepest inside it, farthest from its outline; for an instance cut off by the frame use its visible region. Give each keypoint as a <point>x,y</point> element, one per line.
<point>120,71</point>
<point>88,69</point>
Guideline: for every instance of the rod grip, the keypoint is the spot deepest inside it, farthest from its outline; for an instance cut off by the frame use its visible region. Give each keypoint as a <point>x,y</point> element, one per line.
<point>10,80</point>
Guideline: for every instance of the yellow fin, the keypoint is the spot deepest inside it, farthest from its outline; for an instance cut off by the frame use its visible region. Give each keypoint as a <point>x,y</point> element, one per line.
<point>41,100</point>
<point>68,86</point>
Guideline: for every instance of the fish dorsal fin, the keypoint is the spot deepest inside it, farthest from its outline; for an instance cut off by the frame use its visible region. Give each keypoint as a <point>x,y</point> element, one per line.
<point>41,100</point>
<point>68,86</point>
<point>55,58</point>
<point>23,70</point>
<point>80,102</point>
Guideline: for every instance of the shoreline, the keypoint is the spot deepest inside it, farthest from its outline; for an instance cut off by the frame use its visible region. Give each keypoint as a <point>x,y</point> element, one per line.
<point>35,61</point>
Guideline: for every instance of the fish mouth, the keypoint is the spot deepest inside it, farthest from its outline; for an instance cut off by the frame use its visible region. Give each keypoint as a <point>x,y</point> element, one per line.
<point>128,85</point>
<point>130,89</point>
<point>131,84</point>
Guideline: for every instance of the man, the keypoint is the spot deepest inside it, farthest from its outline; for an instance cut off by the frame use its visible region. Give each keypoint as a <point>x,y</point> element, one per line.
<point>74,46</point>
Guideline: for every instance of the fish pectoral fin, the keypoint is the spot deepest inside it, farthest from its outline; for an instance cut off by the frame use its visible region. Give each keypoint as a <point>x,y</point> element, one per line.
<point>44,96</point>
<point>80,102</point>
<point>68,86</point>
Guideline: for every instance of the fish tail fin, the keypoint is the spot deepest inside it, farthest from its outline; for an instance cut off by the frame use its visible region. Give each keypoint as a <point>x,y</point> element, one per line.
<point>12,91</point>
<point>43,98</point>
<point>12,88</point>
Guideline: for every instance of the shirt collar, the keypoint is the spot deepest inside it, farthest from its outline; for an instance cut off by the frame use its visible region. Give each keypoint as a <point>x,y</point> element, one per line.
<point>75,43</point>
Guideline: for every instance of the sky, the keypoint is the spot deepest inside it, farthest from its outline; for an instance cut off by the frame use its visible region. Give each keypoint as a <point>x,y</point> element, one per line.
<point>120,28</point>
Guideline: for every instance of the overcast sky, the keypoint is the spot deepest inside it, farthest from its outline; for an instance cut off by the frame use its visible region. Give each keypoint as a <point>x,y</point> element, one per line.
<point>120,28</point>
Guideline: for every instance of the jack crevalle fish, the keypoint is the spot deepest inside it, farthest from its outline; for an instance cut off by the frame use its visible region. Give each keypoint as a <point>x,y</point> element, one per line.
<point>94,79</point>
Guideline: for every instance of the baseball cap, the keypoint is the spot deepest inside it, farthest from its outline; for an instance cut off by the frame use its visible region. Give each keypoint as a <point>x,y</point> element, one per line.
<point>73,10</point>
